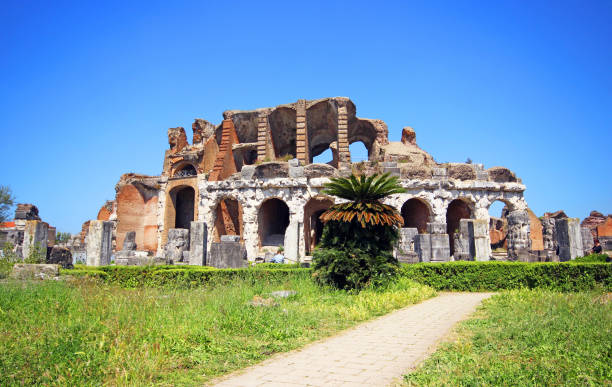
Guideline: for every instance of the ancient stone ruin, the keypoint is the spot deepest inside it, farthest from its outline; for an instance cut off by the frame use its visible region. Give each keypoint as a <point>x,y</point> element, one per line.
<point>252,176</point>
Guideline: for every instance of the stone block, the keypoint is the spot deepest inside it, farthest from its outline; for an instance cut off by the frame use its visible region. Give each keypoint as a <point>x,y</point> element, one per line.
<point>198,239</point>
<point>291,242</point>
<point>60,256</point>
<point>587,240</point>
<point>482,175</point>
<point>569,238</point>
<point>129,242</point>
<point>436,228</point>
<point>35,239</point>
<point>440,247</point>
<point>271,170</point>
<point>24,271</point>
<point>294,163</point>
<point>224,255</point>
<point>392,171</point>
<point>247,172</point>
<point>481,240</point>
<point>99,243</point>
<point>406,240</point>
<point>177,245</point>
<point>439,173</point>
<point>230,238</point>
<point>296,172</point>
<point>422,246</point>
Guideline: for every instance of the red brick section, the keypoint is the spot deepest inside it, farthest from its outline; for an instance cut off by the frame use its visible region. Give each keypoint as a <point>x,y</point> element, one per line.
<point>605,229</point>
<point>225,164</point>
<point>344,155</point>
<point>535,231</point>
<point>7,224</point>
<point>262,135</point>
<point>301,134</point>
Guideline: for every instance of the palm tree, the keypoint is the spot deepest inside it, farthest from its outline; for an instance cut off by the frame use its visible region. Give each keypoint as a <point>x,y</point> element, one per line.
<point>364,194</point>
<point>358,237</point>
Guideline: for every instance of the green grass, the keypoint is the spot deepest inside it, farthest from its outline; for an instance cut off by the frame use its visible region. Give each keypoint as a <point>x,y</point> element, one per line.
<point>528,338</point>
<point>89,333</point>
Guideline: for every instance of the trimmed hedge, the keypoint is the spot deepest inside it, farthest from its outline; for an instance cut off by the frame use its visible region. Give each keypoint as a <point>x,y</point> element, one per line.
<point>94,273</point>
<point>185,276</point>
<point>490,276</point>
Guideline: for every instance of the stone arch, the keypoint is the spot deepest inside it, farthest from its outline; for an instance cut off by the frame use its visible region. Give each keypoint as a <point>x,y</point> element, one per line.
<point>498,224</point>
<point>416,213</point>
<point>283,123</point>
<point>183,200</point>
<point>362,131</point>
<point>228,219</point>
<point>322,125</point>
<point>272,222</point>
<point>184,169</point>
<point>457,209</point>
<point>313,226</point>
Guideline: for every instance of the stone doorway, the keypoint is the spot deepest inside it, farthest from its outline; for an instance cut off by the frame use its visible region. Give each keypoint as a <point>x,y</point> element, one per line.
<point>273,219</point>
<point>416,214</point>
<point>457,209</point>
<point>184,202</point>
<point>313,226</point>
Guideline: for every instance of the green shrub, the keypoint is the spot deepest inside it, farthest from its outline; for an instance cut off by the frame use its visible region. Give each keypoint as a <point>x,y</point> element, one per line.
<point>93,273</point>
<point>483,276</point>
<point>7,259</point>
<point>185,277</point>
<point>353,268</point>
<point>593,258</point>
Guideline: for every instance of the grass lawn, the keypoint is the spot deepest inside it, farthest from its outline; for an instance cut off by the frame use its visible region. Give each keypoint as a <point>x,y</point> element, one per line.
<point>528,338</point>
<point>86,333</point>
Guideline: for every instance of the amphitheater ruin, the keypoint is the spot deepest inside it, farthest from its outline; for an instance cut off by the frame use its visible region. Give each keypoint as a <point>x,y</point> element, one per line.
<point>250,184</point>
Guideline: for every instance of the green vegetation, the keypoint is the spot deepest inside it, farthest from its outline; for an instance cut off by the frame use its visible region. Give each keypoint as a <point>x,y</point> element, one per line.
<point>356,247</point>
<point>483,276</point>
<point>85,332</point>
<point>528,338</point>
<point>6,202</point>
<point>593,258</point>
<point>8,258</point>
<point>62,237</point>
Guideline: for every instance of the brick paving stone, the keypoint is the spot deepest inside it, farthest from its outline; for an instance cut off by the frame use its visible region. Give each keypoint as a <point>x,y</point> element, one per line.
<point>374,353</point>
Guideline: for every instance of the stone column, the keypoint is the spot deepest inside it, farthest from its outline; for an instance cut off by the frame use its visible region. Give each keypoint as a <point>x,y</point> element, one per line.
<point>251,236</point>
<point>587,240</point>
<point>518,235</point>
<point>479,231</point>
<point>301,150</point>
<point>35,238</point>
<point>405,249</point>
<point>99,243</point>
<point>291,244</point>
<point>569,238</point>
<point>344,155</point>
<point>440,244</point>
<point>198,242</point>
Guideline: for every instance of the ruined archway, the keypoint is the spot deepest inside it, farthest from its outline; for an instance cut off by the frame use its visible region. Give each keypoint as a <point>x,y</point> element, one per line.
<point>272,220</point>
<point>283,123</point>
<point>228,219</point>
<point>322,119</point>
<point>313,226</point>
<point>457,209</point>
<point>186,170</point>
<point>184,203</point>
<point>498,226</point>
<point>361,131</point>
<point>416,214</point>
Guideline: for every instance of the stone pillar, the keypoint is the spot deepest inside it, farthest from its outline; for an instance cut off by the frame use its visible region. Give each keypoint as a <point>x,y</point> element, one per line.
<point>405,250</point>
<point>251,236</point>
<point>262,135</point>
<point>569,238</point>
<point>291,244</point>
<point>440,244</point>
<point>35,239</point>
<point>479,232</point>
<point>464,242</point>
<point>344,155</point>
<point>518,235</point>
<point>229,253</point>
<point>99,243</point>
<point>549,240</point>
<point>177,246</point>
<point>198,233</point>
<point>422,245</point>
<point>587,240</point>
<point>301,150</point>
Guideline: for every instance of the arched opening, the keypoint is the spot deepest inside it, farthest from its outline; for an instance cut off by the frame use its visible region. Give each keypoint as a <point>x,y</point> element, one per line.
<point>313,226</point>
<point>283,122</point>
<point>359,152</point>
<point>498,226</point>
<point>184,202</point>
<point>273,219</point>
<point>228,219</point>
<point>322,127</point>
<point>186,171</point>
<point>327,157</point>
<point>416,214</point>
<point>457,209</point>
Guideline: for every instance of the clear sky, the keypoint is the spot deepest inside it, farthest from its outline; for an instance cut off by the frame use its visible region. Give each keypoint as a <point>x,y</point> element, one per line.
<point>88,88</point>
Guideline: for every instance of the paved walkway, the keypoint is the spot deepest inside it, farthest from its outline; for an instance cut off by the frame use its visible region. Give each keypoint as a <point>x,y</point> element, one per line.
<point>371,354</point>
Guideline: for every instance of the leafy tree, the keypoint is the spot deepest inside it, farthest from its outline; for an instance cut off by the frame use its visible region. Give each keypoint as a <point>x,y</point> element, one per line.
<point>6,202</point>
<point>62,237</point>
<point>357,243</point>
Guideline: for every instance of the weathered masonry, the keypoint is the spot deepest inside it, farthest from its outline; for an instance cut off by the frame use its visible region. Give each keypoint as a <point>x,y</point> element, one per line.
<point>252,176</point>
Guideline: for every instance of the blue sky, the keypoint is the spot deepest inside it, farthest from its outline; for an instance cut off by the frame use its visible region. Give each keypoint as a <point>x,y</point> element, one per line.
<point>89,88</point>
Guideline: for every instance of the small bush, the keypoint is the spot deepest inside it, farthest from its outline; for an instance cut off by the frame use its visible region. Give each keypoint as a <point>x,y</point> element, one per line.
<point>593,258</point>
<point>492,276</point>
